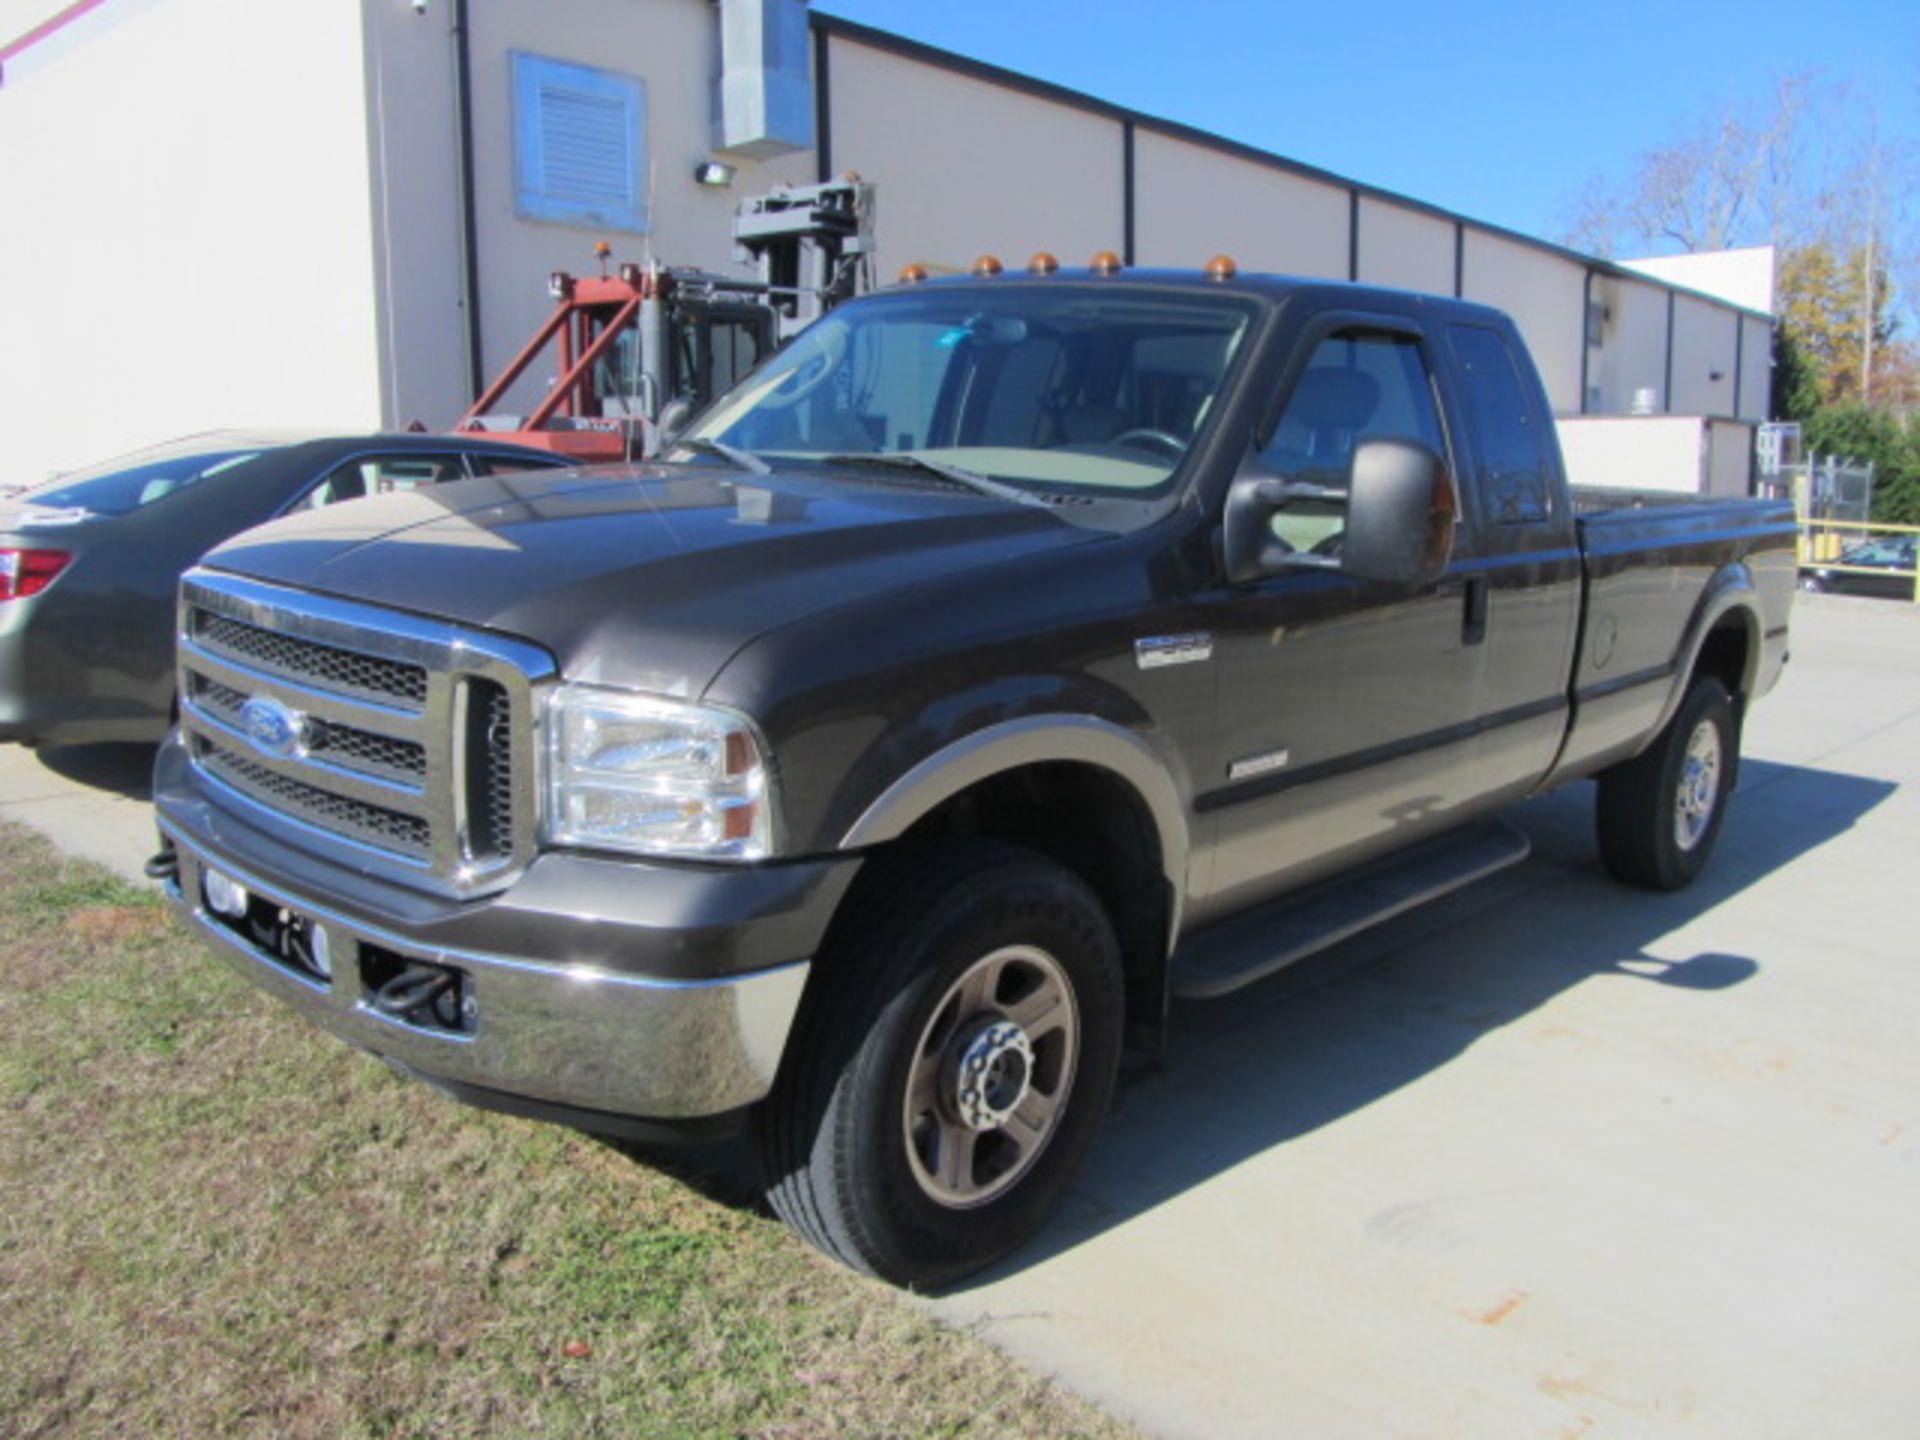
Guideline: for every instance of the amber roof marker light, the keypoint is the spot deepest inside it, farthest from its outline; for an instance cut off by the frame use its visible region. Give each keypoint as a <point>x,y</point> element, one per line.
<point>912,274</point>
<point>1105,263</point>
<point>1221,267</point>
<point>1043,263</point>
<point>987,266</point>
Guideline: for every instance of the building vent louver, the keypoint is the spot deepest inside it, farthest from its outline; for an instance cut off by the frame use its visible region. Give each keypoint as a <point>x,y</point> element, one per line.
<point>579,145</point>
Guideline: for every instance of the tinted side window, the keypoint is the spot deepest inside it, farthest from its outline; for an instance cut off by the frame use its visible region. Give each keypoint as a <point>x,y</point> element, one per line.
<point>1358,385</point>
<point>509,464</point>
<point>1513,469</point>
<point>383,475</point>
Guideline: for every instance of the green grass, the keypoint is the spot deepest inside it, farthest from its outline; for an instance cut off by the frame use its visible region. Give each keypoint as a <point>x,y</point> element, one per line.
<point>215,1220</point>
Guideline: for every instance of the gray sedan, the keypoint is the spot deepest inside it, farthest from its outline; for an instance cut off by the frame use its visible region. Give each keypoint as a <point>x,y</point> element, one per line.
<point>89,562</point>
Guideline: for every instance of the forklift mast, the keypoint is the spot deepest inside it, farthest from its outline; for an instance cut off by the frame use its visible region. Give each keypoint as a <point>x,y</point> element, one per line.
<point>638,351</point>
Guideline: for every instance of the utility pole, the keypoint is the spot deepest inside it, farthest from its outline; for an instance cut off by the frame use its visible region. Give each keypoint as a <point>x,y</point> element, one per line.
<point>1867,285</point>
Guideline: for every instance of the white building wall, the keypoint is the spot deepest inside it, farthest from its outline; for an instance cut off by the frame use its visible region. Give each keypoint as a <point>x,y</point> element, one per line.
<point>1756,368</point>
<point>673,47</point>
<point>1684,454</point>
<point>1729,457</point>
<point>1705,342</point>
<point>272,198</point>
<point>1405,248</point>
<point>1545,295</point>
<point>188,240</point>
<point>1638,452</point>
<point>413,155</point>
<point>964,167</point>
<point>1632,355</point>
<point>1743,277</point>
<point>1192,202</point>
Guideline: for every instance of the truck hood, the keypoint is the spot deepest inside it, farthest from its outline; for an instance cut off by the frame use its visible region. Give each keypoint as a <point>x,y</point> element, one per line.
<point>646,577</point>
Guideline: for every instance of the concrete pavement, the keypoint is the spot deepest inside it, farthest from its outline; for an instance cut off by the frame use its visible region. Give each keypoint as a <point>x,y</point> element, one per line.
<point>90,800</point>
<point>1550,1158</point>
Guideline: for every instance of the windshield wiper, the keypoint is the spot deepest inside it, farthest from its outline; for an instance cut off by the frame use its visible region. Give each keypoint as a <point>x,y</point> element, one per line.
<point>972,480</point>
<point>732,454</point>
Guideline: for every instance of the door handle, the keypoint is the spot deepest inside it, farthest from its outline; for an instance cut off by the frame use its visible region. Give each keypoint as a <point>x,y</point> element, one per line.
<point>1473,618</point>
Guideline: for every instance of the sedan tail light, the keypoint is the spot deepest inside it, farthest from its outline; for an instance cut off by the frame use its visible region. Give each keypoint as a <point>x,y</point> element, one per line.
<point>28,572</point>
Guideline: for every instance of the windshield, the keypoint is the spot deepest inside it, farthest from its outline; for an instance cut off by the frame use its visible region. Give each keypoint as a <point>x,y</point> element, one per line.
<point>1076,388</point>
<point>127,487</point>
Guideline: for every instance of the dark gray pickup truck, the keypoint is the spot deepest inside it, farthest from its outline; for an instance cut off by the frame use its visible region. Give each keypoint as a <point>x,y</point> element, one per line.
<point>1002,659</point>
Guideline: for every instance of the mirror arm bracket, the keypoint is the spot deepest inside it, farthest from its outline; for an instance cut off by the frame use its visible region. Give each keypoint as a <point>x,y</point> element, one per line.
<point>1278,493</point>
<point>1302,560</point>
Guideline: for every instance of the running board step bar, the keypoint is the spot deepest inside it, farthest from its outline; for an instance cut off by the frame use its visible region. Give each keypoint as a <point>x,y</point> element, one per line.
<point>1249,947</point>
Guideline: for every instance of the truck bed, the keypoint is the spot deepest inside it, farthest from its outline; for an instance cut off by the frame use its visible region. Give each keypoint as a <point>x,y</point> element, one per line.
<point>1648,557</point>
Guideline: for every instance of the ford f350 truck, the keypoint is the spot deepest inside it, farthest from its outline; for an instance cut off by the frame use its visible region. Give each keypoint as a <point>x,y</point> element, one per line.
<point>1005,657</point>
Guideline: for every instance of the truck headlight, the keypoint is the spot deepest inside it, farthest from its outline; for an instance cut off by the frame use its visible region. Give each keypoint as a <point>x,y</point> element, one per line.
<point>654,776</point>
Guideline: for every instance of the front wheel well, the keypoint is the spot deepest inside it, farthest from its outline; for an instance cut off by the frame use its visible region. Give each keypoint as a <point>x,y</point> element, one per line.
<point>1094,823</point>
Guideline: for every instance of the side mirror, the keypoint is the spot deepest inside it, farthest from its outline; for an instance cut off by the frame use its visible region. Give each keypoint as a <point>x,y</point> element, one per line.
<point>674,416</point>
<point>1399,514</point>
<point>1399,530</point>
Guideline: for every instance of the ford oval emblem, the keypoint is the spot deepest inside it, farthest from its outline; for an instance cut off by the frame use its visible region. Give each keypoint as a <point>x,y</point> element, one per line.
<point>274,729</point>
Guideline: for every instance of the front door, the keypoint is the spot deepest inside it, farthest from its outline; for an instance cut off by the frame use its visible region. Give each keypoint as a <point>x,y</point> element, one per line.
<point>1346,706</point>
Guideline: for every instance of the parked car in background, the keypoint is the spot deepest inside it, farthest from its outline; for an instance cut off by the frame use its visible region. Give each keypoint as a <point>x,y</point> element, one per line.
<point>89,562</point>
<point>1890,557</point>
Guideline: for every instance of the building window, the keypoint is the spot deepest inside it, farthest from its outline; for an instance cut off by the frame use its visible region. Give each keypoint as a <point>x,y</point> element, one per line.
<point>579,145</point>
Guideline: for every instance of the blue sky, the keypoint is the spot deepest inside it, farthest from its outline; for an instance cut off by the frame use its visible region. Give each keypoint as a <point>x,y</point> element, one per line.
<point>1499,111</point>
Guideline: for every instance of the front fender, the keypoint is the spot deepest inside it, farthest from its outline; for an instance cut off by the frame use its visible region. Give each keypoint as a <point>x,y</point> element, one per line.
<point>1032,740</point>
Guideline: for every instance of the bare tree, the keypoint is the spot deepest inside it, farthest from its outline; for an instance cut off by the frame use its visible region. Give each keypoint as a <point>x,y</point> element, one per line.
<point>1734,180</point>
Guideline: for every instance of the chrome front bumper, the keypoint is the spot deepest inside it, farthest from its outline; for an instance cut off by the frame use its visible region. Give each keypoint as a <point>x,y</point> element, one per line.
<point>568,1036</point>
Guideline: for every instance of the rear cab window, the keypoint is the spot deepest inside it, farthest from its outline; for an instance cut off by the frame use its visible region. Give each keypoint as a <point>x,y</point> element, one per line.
<point>1507,439</point>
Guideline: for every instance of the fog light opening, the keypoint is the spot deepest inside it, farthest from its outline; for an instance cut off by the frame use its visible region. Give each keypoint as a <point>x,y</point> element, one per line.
<point>320,950</point>
<point>225,895</point>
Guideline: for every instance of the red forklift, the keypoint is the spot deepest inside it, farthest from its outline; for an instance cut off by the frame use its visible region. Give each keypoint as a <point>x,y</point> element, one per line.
<point>638,351</point>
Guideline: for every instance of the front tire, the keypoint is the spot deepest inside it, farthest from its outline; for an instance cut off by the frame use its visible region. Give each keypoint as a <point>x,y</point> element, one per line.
<point>955,1055</point>
<point>1659,814</point>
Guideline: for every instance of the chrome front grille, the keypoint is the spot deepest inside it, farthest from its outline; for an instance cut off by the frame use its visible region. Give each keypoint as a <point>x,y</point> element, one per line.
<point>361,733</point>
<point>327,666</point>
<point>375,825</point>
<point>343,745</point>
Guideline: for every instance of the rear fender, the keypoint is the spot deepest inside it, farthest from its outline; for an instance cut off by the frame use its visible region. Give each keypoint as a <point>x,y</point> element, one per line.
<point>1731,592</point>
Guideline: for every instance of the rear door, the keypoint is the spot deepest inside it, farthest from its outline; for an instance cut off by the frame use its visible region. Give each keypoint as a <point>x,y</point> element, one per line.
<point>1522,587</point>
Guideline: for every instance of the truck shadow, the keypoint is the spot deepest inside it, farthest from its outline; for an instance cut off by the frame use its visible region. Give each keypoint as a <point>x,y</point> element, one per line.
<point>1349,1027</point>
<point>1352,1026</point>
<point>124,769</point>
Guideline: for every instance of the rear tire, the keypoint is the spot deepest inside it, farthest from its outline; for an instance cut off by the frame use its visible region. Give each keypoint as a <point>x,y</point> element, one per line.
<point>1659,814</point>
<point>955,1054</point>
